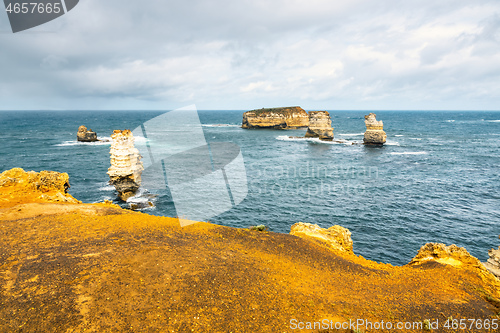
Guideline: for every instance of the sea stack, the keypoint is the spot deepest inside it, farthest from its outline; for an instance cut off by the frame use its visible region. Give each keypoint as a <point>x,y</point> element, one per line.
<point>493,263</point>
<point>320,126</point>
<point>277,118</point>
<point>374,134</point>
<point>126,166</point>
<point>86,135</point>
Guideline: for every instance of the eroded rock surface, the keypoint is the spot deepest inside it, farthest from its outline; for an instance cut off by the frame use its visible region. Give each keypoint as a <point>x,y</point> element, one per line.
<point>126,166</point>
<point>493,263</point>
<point>86,135</point>
<point>336,237</point>
<point>374,134</point>
<point>277,118</point>
<point>44,186</point>
<point>449,255</point>
<point>320,126</point>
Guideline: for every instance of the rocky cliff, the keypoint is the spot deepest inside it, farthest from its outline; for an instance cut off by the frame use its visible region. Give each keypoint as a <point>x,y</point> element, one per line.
<point>336,237</point>
<point>277,118</point>
<point>43,186</point>
<point>126,166</point>
<point>86,135</point>
<point>447,255</point>
<point>493,263</point>
<point>68,267</point>
<point>374,134</point>
<point>320,125</point>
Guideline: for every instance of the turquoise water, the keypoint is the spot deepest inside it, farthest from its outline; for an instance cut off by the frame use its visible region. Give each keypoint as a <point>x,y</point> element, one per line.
<point>437,180</point>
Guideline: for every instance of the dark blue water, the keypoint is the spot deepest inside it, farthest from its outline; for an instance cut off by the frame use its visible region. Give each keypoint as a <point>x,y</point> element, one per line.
<point>437,180</point>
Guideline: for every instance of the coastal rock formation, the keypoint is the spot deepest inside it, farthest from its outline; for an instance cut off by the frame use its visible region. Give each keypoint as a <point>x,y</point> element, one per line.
<point>448,255</point>
<point>493,263</point>
<point>86,135</point>
<point>335,237</point>
<point>277,118</point>
<point>40,186</point>
<point>320,126</point>
<point>374,134</point>
<point>126,166</point>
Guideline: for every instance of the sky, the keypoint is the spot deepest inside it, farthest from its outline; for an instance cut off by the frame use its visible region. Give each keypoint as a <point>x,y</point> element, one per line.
<point>249,54</point>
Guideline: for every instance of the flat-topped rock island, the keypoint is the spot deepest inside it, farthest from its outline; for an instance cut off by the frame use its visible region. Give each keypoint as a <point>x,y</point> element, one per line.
<point>276,118</point>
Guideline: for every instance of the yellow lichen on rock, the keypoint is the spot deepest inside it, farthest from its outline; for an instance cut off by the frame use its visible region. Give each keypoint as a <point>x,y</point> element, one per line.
<point>336,237</point>
<point>278,118</point>
<point>31,186</point>
<point>449,255</point>
<point>99,268</point>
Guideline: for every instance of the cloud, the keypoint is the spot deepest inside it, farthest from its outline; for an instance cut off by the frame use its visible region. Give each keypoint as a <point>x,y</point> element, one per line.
<point>243,54</point>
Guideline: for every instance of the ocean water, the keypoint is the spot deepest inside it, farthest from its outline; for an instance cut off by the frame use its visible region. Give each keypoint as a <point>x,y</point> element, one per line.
<point>437,179</point>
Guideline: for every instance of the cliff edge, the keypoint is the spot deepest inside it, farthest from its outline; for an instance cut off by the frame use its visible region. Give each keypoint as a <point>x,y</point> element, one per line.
<point>73,267</point>
<point>19,186</point>
<point>276,118</point>
<point>493,263</point>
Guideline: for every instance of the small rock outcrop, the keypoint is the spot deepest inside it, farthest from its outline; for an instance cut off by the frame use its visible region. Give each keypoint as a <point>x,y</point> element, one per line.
<point>277,118</point>
<point>46,186</point>
<point>493,263</point>
<point>86,135</point>
<point>336,237</point>
<point>126,166</point>
<point>320,126</point>
<point>374,134</point>
<point>448,255</point>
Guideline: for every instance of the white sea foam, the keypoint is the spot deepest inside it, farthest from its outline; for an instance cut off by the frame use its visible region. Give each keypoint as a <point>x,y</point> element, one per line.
<point>104,141</point>
<point>143,199</point>
<point>107,188</point>
<point>493,121</point>
<point>450,121</point>
<point>399,135</point>
<point>409,153</point>
<point>350,134</point>
<point>140,139</point>
<point>334,142</point>
<point>220,125</point>
<point>137,199</point>
<point>317,140</point>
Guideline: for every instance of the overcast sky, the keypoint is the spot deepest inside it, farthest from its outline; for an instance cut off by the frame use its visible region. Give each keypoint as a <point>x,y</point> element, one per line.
<point>239,54</point>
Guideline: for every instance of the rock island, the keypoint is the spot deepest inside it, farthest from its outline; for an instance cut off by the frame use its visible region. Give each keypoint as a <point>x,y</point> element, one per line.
<point>277,118</point>
<point>320,126</point>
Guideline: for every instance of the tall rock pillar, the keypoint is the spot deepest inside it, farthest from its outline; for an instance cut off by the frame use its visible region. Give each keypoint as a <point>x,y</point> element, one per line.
<point>374,134</point>
<point>320,126</point>
<point>126,166</point>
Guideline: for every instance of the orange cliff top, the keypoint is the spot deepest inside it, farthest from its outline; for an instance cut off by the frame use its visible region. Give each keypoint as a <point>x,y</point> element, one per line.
<point>73,267</point>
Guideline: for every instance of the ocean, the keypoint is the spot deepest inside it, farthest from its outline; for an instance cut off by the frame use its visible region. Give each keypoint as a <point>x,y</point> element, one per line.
<point>436,180</point>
